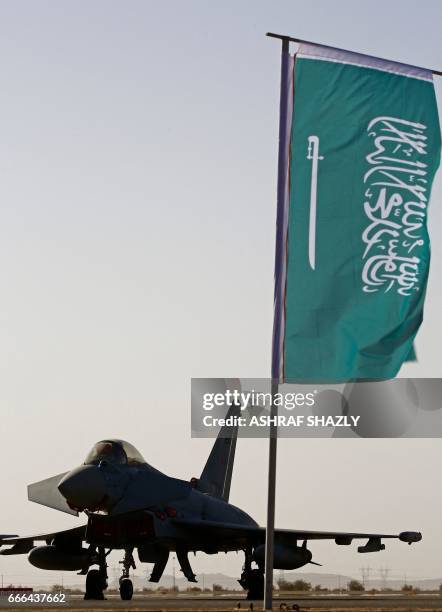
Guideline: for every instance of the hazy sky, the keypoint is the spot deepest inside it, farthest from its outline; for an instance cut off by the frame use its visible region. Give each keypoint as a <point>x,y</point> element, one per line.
<point>138,149</point>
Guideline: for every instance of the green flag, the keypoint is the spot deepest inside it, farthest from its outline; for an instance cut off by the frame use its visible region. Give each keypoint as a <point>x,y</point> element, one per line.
<point>364,148</point>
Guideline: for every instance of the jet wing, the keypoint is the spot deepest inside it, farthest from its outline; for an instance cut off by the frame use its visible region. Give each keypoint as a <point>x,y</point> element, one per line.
<point>23,544</point>
<point>239,535</point>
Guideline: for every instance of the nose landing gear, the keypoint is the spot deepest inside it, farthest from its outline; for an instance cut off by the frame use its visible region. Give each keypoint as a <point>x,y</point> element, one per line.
<point>126,586</point>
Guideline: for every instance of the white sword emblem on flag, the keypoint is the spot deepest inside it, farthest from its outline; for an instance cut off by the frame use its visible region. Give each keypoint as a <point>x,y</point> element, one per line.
<point>313,154</point>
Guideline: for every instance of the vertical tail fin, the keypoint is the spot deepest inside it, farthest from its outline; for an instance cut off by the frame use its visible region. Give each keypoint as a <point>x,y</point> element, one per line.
<point>217,474</point>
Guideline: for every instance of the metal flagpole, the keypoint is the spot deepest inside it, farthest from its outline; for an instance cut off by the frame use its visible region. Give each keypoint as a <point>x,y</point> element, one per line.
<point>271,489</point>
<point>279,254</point>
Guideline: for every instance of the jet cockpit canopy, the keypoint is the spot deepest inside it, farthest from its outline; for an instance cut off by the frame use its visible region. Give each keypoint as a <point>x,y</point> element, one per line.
<point>117,452</point>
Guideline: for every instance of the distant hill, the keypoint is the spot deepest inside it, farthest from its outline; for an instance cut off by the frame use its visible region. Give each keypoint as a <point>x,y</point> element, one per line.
<point>330,581</point>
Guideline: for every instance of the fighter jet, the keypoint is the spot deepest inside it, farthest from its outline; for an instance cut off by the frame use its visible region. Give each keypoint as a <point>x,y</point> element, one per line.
<point>131,506</point>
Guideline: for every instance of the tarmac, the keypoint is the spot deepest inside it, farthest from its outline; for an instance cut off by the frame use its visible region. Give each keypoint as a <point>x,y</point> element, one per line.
<point>141,603</point>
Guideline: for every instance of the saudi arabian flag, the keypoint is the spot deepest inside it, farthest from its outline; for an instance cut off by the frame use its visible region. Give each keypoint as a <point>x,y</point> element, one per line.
<point>364,145</point>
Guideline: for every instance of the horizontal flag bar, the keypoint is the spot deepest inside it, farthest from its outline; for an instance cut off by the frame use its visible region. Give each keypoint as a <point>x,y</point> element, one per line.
<point>301,40</point>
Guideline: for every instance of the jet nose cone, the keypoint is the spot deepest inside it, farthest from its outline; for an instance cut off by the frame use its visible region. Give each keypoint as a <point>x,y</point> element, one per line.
<point>84,488</point>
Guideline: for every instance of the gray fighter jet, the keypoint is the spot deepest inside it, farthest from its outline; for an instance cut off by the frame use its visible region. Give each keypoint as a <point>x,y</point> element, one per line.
<point>130,505</point>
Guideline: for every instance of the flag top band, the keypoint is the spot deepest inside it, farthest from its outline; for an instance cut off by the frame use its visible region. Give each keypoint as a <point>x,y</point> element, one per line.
<point>330,54</point>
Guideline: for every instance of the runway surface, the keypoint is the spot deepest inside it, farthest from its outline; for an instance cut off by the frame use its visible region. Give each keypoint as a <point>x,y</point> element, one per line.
<point>141,603</point>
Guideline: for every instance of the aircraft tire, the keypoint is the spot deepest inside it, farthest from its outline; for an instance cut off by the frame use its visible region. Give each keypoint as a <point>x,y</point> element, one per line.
<point>94,585</point>
<point>255,584</point>
<point>126,589</point>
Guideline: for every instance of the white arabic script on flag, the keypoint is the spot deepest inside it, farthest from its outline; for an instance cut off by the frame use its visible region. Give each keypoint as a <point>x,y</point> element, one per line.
<point>395,206</point>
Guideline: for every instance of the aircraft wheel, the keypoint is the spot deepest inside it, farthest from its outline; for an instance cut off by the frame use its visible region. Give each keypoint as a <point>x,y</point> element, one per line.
<point>94,585</point>
<point>126,589</point>
<point>255,580</point>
